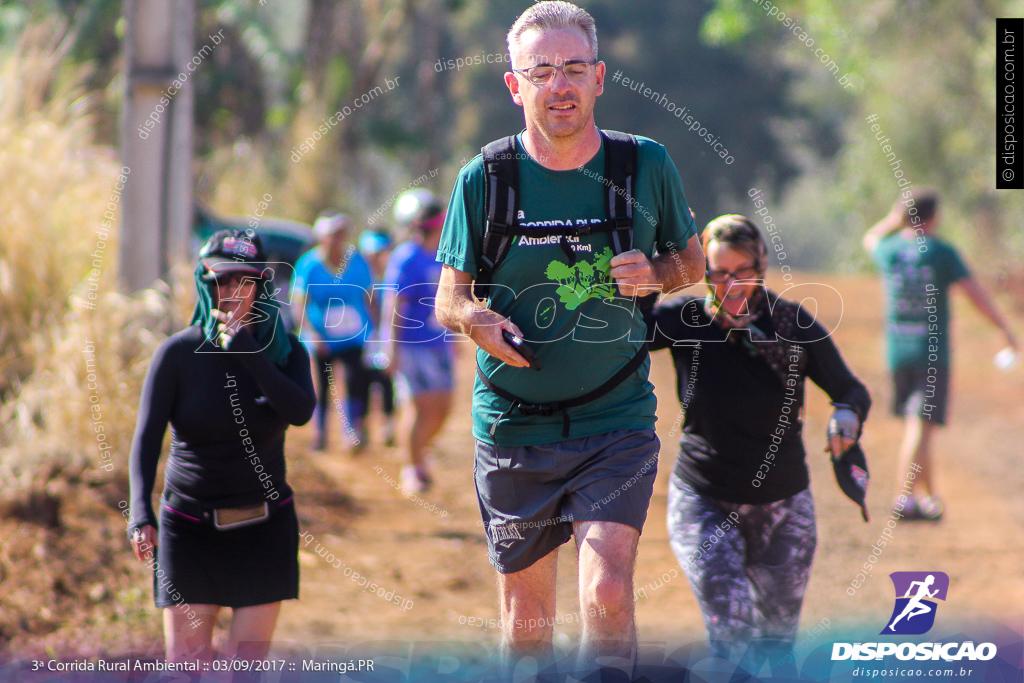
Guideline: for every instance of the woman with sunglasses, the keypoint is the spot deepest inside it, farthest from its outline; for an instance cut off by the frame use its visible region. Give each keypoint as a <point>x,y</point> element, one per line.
<point>230,385</point>
<point>740,514</point>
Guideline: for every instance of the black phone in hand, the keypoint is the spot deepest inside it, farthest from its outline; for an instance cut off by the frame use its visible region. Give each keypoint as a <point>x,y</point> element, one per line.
<point>517,343</point>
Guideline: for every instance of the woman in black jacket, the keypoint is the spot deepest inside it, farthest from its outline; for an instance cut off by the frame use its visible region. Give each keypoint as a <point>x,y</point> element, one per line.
<point>229,385</point>
<point>740,513</point>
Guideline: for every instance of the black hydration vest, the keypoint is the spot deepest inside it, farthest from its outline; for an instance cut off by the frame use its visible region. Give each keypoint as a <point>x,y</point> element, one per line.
<point>501,227</point>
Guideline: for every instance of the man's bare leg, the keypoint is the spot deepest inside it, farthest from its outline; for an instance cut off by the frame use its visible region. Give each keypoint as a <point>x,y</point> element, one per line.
<point>527,613</point>
<point>607,559</point>
<point>917,448</point>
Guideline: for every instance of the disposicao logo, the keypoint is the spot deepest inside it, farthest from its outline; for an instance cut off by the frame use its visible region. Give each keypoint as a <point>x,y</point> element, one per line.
<point>913,615</point>
<point>914,612</point>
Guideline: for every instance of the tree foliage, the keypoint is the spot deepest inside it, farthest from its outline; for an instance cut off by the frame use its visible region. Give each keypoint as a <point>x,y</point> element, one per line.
<point>924,68</point>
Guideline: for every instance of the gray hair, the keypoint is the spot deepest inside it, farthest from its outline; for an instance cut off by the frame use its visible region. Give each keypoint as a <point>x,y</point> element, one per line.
<point>554,15</point>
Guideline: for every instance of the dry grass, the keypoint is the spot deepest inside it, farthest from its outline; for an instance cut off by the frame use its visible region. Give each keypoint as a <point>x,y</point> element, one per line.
<point>73,356</point>
<point>58,183</point>
<point>92,358</point>
<point>70,375</point>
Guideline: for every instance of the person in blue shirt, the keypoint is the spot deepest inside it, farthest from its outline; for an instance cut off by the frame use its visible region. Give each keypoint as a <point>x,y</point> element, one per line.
<point>920,270</point>
<point>420,355</point>
<point>332,291</point>
<point>376,247</point>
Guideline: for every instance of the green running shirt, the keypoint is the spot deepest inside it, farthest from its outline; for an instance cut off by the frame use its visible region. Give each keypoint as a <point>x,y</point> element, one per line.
<point>917,281</point>
<point>572,316</point>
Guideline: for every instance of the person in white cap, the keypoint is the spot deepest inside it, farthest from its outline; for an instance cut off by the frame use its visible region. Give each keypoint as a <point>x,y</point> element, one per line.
<point>419,351</point>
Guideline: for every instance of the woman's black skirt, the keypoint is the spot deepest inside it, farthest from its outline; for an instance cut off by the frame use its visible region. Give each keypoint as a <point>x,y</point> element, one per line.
<point>252,565</point>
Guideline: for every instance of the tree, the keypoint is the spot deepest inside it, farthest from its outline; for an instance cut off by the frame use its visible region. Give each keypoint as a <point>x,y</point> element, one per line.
<point>927,71</point>
<point>559,272</point>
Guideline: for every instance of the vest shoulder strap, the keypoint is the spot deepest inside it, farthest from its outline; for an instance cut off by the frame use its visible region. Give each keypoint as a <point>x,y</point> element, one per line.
<point>620,163</point>
<point>501,199</point>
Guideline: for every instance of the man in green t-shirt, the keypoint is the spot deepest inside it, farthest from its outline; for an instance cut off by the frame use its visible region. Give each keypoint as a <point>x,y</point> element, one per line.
<point>538,486</point>
<point>920,269</point>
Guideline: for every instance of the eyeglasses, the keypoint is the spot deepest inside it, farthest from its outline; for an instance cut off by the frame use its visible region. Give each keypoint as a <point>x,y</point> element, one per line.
<point>719,277</point>
<point>574,70</point>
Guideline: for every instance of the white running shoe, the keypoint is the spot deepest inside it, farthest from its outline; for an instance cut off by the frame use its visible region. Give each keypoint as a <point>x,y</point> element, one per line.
<point>415,480</point>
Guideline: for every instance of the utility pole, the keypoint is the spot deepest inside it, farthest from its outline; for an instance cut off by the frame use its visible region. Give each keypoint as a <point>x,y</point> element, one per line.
<point>156,139</point>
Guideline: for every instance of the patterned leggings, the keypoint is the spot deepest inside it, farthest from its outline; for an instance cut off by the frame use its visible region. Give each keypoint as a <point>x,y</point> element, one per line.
<point>748,566</point>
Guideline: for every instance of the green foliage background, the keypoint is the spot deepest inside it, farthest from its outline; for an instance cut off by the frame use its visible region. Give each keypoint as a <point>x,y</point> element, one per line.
<point>926,68</point>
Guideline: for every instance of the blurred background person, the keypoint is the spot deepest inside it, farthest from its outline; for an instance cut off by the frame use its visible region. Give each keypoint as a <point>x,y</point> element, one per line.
<point>230,385</point>
<point>376,247</point>
<point>919,270</point>
<point>420,355</point>
<point>332,289</point>
<point>741,517</point>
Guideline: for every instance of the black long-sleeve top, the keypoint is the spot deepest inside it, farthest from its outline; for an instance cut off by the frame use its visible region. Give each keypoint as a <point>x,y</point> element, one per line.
<point>733,403</point>
<point>228,413</point>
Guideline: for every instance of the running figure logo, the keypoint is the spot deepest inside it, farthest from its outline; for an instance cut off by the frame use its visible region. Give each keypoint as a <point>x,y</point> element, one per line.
<point>916,593</point>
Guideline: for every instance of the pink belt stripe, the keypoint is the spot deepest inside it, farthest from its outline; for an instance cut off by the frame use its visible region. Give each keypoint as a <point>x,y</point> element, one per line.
<point>194,519</point>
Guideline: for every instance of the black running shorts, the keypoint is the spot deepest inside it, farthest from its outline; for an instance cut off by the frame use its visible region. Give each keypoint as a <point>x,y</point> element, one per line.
<point>922,391</point>
<point>530,496</point>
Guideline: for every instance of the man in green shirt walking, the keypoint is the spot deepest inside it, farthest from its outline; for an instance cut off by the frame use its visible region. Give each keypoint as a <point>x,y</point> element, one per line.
<point>920,270</point>
<point>568,447</point>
